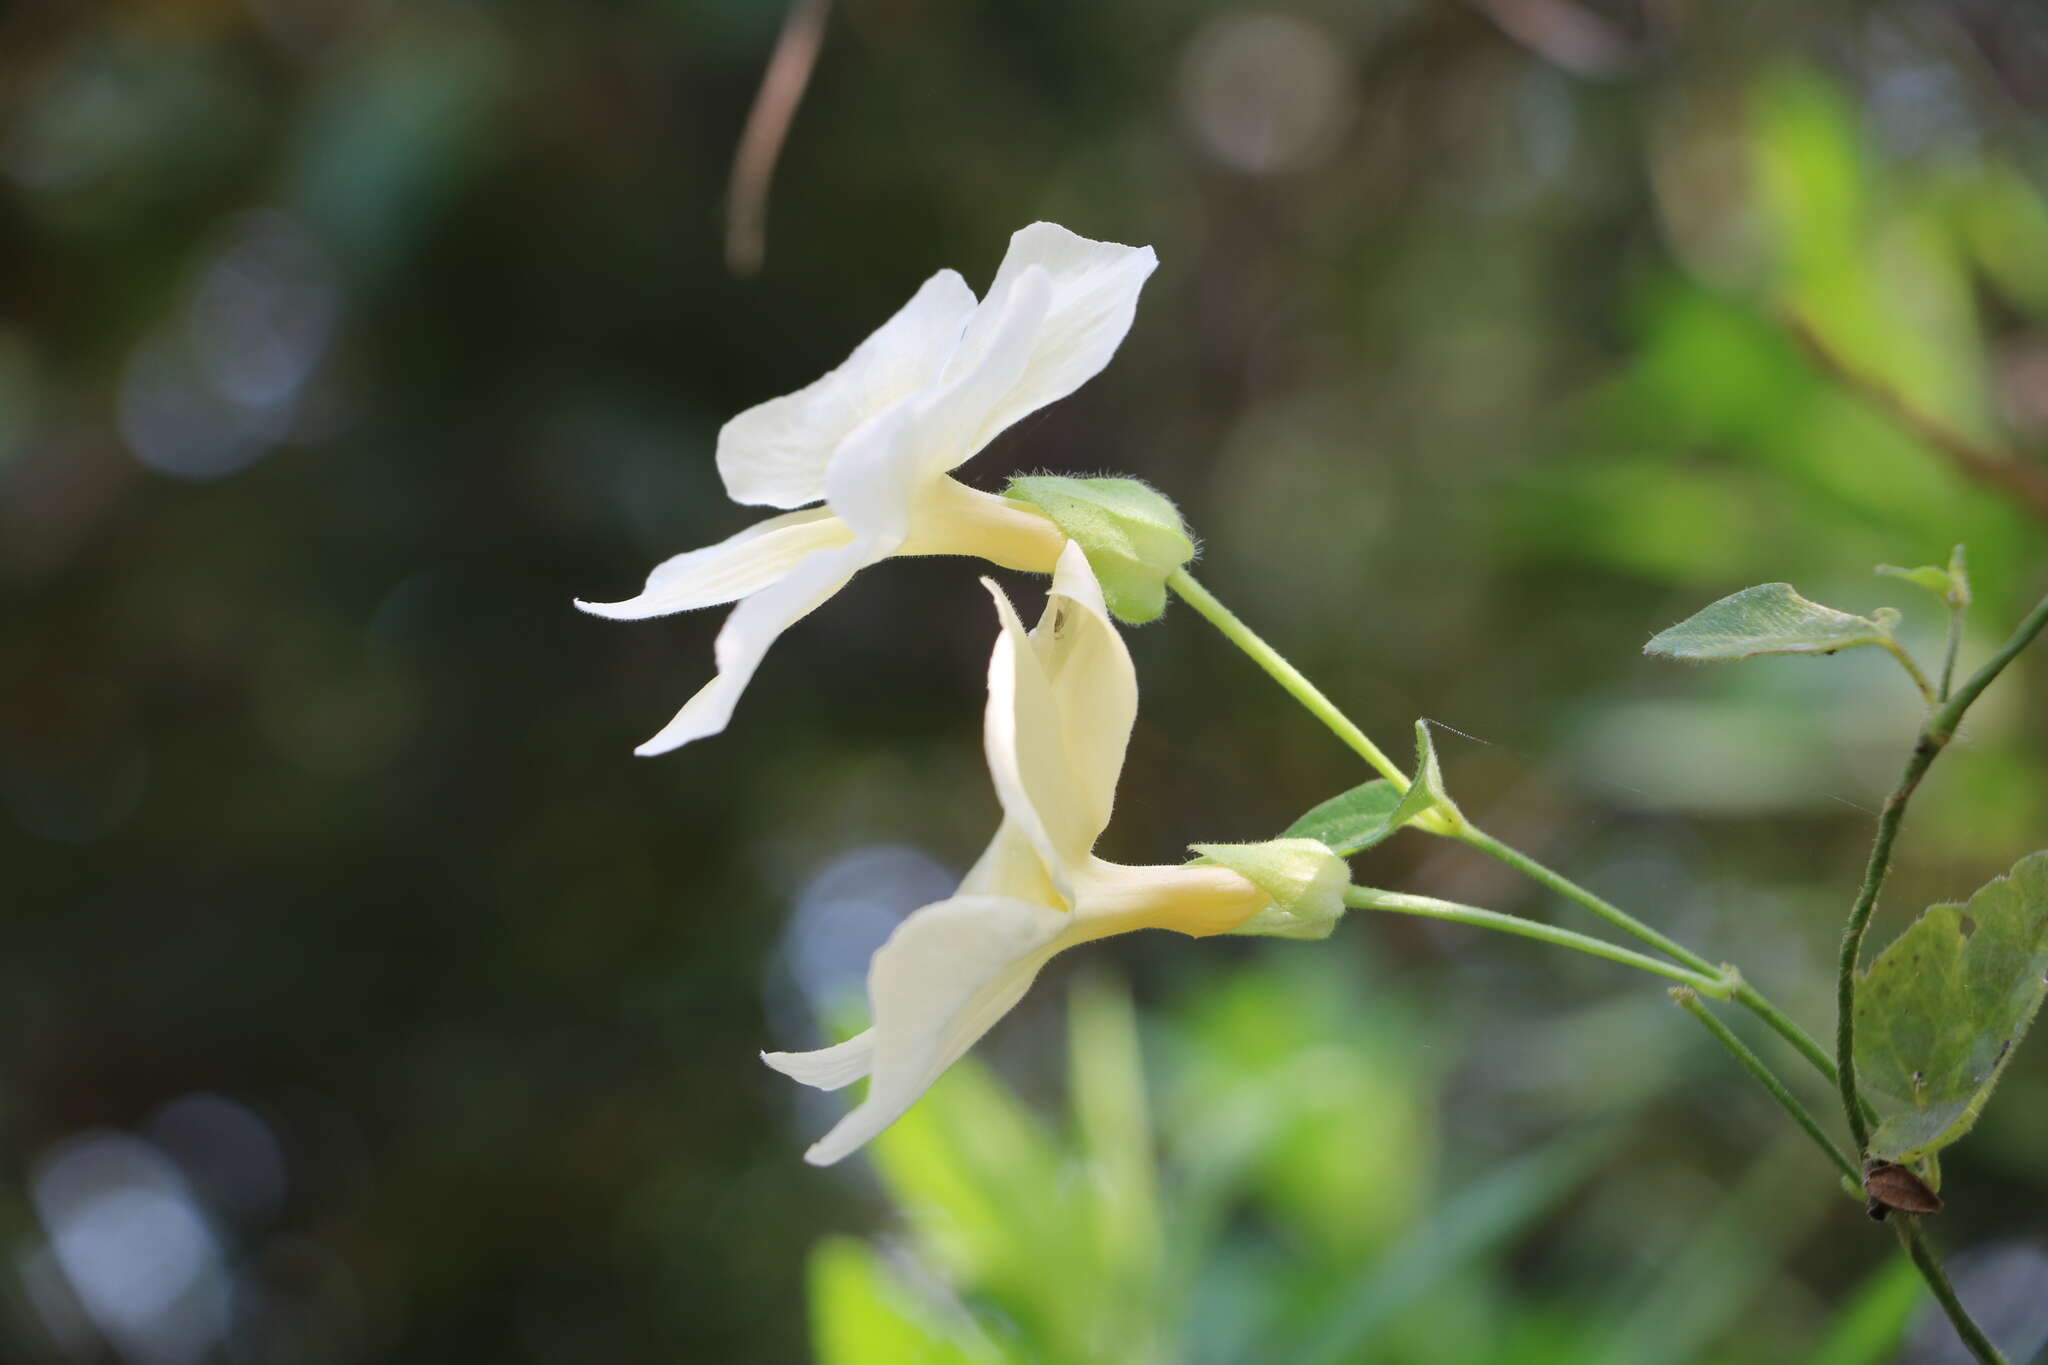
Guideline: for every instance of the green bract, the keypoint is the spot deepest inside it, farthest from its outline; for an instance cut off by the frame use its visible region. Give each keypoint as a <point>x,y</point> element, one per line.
<point>1427,795</point>
<point>1939,1012</point>
<point>1305,879</point>
<point>1770,619</point>
<point>1132,534</point>
<point>1352,821</point>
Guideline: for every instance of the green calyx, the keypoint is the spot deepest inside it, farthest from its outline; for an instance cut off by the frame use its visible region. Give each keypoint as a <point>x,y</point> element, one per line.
<point>1132,534</point>
<point>1305,879</point>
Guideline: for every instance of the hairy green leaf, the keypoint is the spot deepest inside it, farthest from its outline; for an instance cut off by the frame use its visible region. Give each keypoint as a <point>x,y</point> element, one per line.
<point>1352,821</point>
<point>1940,1011</point>
<point>1769,619</point>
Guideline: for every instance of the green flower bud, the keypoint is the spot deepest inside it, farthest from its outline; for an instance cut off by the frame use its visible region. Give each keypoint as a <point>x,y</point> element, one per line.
<point>1133,536</point>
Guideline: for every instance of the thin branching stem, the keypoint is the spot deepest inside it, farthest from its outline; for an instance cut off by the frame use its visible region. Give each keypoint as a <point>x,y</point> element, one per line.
<point>1708,983</point>
<point>1935,734</point>
<point>1286,674</point>
<point>1939,729</point>
<point>1566,887</point>
<point>1312,698</point>
<point>1689,1001</point>
<point>2024,481</point>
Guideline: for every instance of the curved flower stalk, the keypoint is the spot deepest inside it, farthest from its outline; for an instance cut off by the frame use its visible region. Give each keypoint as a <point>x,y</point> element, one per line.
<point>1061,701</point>
<point>875,440</point>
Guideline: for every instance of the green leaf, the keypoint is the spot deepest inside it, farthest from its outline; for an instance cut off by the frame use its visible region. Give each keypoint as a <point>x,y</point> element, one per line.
<point>860,1313</point>
<point>1427,793</point>
<point>1769,619</point>
<point>1352,821</point>
<point>1868,1331</point>
<point>1478,1222</point>
<point>1935,580</point>
<point>1951,585</point>
<point>1939,1012</point>
<point>1112,1119</point>
<point>1132,534</point>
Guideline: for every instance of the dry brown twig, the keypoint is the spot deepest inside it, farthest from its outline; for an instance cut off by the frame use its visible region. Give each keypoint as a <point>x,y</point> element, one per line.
<point>2024,481</point>
<point>760,147</point>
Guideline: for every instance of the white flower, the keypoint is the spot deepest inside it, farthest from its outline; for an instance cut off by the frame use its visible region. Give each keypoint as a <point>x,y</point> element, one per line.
<point>1061,701</point>
<point>874,440</point>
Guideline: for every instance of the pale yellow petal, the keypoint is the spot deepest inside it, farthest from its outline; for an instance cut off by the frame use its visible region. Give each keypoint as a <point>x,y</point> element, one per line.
<point>949,518</point>
<point>749,632</point>
<point>1027,752</point>
<point>1094,686</point>
<point>828,1068</point>
<point>736,567</point>
<point>943,979</point>
<point>1110,898</point>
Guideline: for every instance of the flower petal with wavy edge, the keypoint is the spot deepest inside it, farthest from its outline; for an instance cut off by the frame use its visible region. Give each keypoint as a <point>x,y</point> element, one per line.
<point>875,438</point>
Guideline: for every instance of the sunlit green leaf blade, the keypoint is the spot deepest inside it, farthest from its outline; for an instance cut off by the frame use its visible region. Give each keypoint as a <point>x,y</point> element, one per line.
<point>860,1314</point>
<point>1868,1330</point>
<point>1940,1011</point>
<point>1768,619</point>
<point>1352,821</point>
<point>1928,576</point>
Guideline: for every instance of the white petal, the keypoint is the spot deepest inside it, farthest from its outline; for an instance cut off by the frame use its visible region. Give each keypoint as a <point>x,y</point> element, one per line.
<point>828,1068</point>
<point>884,472</point>
<point>876,477</point>
<point>754,626</point>
<point>941,981</point>
<point>956,420</point>
<point>1094,687</point>
<point>736,567</point>
<point>1094,297</point>
<point>776,454</point>
<point>1027,753</point>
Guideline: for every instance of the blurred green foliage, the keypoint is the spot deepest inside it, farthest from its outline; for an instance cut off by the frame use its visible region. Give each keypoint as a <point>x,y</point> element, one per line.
<point>342,344</point>
<point>1296,1212</point>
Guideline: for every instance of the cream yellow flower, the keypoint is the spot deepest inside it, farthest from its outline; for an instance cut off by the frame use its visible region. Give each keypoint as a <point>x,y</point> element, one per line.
<point>1061,701</point>
<point>875,439</point>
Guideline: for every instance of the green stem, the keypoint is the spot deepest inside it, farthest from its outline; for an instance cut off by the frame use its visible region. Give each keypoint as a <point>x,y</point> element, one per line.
<point>1689,1001</point>
<point>1954,647</point>
<point>1708,983</point>
<point>1284,673</point>
<point>1935,734</point>
<point>1319,705</point>
<point>1565,886</point>
<point>1912,667</point>
<point>1888,820</point>
<point>1946,719</point>
<point>1958,599</point>
<point>1750,998</point>
<point>1746,995</point>
<point>1930,1269</point>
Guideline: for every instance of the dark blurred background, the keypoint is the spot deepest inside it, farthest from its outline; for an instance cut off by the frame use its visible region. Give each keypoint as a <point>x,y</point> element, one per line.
<point>365,999</point>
